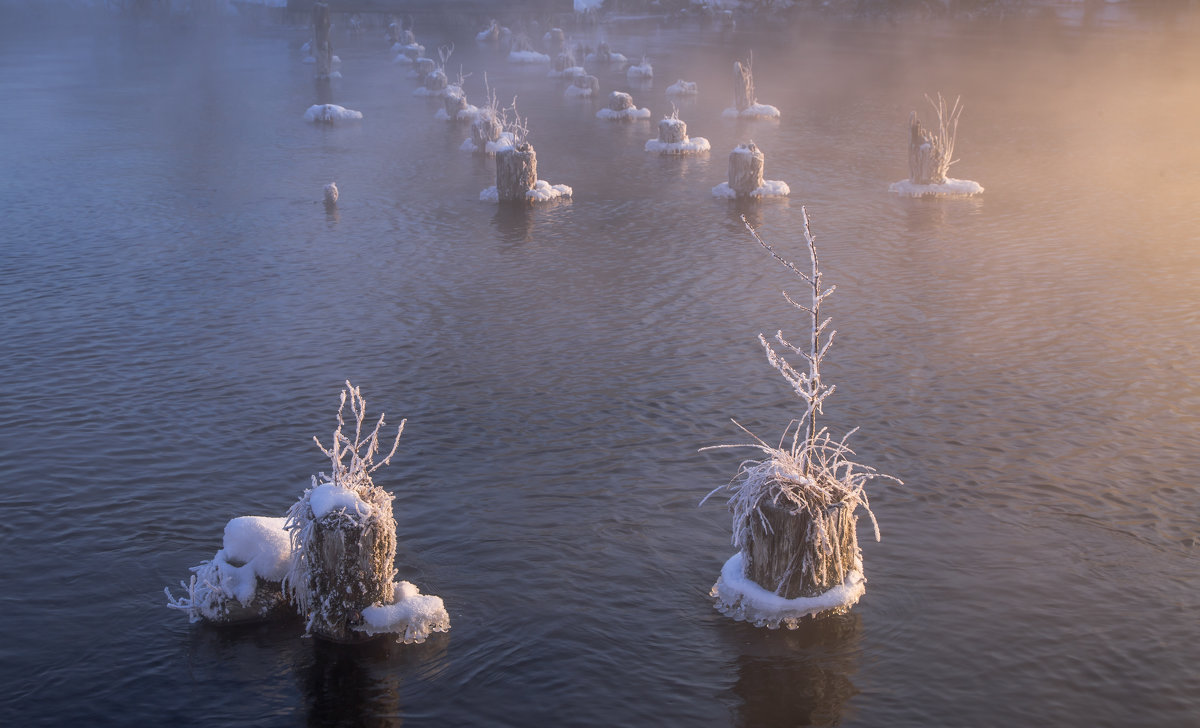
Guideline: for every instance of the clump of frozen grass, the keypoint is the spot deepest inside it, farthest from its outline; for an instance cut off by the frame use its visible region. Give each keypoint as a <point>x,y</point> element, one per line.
<point>808,476</point>
<point>930,154</point>
<point>343,534</point>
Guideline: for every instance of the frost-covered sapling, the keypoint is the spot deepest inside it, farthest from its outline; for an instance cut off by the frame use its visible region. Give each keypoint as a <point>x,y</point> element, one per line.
<point>343,538</point>
<point>794,509</point>
<point>930,154</point>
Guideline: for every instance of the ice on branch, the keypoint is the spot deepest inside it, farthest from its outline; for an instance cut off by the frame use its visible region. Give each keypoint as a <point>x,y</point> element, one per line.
<point>794,508</point>
<point>930,154</point>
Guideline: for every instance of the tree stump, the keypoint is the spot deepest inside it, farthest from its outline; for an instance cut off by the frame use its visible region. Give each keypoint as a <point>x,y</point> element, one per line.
<point>322,46</point>
<point>424,67</point>
<point>672,131</point>
<point>743,87</point>
<point>776,553</point>
<point>746,169</point>
<point>436,81</point>
<point>563,61</point>
<point>620,101</point>
<point>486,128</point>
<point>927,161</point>
<point>351,568</point>
<point>589,83</point>
<point>556,41</point>
<point>516,172</point>
<point>603,53</point>
<point>454,103</point>
<point>412,53</point>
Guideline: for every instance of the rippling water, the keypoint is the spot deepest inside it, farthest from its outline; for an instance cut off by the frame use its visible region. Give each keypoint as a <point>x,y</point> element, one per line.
<point>180,313</point>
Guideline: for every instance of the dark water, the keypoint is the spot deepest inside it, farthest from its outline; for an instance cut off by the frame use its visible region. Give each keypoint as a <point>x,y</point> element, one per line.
<point>180,312</point>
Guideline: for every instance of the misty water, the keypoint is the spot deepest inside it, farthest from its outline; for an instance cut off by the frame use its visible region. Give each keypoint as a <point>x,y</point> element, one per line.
<point>180,312</point>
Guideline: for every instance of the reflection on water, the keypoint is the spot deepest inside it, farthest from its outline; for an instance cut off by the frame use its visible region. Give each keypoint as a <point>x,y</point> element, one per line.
<point>797,677</point>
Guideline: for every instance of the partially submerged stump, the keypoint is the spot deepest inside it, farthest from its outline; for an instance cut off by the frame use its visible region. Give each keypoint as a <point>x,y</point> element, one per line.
<point>930,154</point>
<point>784,555</point>
<point>453,103</point>
<point>927,160</point>
<point>555,40</point>
<point>436,82</point>
<point>620,101</point>
<point>423,67</point>
<point>516,172</point>
<point>746,169</point>
<point>743,86</point>
<point>584,85</point>
<point>486,128</point>
<point>672,131</point>
<point>562,62</point>
<point>673,138</point>
<point>322,46</point>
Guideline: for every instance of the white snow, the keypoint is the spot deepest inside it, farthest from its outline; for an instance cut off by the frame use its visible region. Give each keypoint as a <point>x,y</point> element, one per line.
<point>422,91</point>
<point>577,92</point>
<point>613,58</point>
<point>694,145</point>
<point>331,113</point>
<point>542,191</point>
<point>740,598</point>
<point>327,498</point>
<point>313,59</point>
<point>630,114</point>
<point>528,57</point>
<point>568,72</point>
<point>950,188</point>
<point>503,142</point>
<point>642,70</point>
<point>412,616</point>
<point>683,88</point>
<point>467,114</point>
<point>582,5</point>
<point>756,111</point>
<point>770,188</point>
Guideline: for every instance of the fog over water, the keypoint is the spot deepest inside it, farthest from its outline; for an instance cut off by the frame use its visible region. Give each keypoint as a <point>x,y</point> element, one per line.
<point>181,311</point>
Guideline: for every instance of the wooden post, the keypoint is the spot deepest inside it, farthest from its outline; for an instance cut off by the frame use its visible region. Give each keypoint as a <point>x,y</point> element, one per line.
<point>585,81</point>
<point>743,86</point>
<point>620,101</point>
<point>672,131</point>
<point>603,53</point>
<point>556,41</point>
<point>424,67</point>
<point>454,103</point>
<point>486,128</point>
<point>778,551</point>
<point>322,46</point>
<point>746,169</point>
<point>351,568</point>
<point>516,172</point>
<point>436,81</point>
<point>563,61</point>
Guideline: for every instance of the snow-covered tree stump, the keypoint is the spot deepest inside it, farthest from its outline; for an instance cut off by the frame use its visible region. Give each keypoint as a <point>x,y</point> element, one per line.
<point>516,172</point>
<point>486,128</point>
<point>423,67</point>
<point>672,131</point>
<point>621,108</point>
<point>673,138</point>
<point>782,554</point>
<point>927,161</point>
<point>436,82</point>
<point>743,86</point>
<point>453,103</point>
<point>746,169</point>
<point>322,46</point>
<point>619,101</point>
<point>555,40</point>
<point>562,62</point>
<point>584,85</point>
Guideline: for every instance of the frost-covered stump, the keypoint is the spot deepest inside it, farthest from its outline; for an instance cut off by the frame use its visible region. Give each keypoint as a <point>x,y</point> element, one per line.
<point>435,82</point>
<point>453,104</point>
<point>516,172</point>
<point>322,46</point>
<point>743,86</point>
<point>487,133</point>
<point>746,163</point>
<point>930,154</point>
<point>244,580</point>
<point>422,67</point>
<point>783,556</point>
<point>583,86</point>
<point>621,108</point>
<point>673,139</point>
<point>555,40</point>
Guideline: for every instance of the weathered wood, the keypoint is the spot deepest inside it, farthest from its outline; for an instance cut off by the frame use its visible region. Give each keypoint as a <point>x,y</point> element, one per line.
<point>746,169</point>
<point>556,41</point>
<point>672,131</point>
<point>351,568</point>
<point>424,67</point>
<point>779,548</point>
<point>586,81</point>
<point>516,172</point>
<point>743,86</point>
<point>322,45</point>
<point>563,61</point>
<point>454,103</point>
<point>926,159</point>
<point>620,101</point>
<point>436,81</point>
<point>486,128</point>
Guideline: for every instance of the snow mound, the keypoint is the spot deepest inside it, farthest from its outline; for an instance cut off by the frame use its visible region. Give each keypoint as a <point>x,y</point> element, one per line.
<point>577,92</point>
<point>738,597</point>
<point>757,111</point>
<point>770,188</point>
<point>568,72</point>
<point>528,57</point>
<point>313,59</point>
<point>694,145</point>
<point>490,148</point>
<point>328,497</point>
<point>683,88</point>
<point>331,114</point>
<point>422,91</point>
<point>412,616</point>
<point>642,70</point>
<point>631,114</point>
<point>542,191</point>
<point>467,114</point>
<point>613,59</point>
<point>950,188</point>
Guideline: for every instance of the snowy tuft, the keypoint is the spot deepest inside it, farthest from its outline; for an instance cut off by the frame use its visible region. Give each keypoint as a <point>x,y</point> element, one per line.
<point>950,188</point>
<point>642,70</point>
<point>412,616</point>
<point>683,88</point>
<point>528,57</point>
<point>770,188</point>
<point>490,148</point>
<point>738,597</point>
<point>757,111</point>
<point>694,145</point>
<point>631,114</point>
<point>467,114</point>
<point>489,194</point>
<point>331,114</point>
<point>327,498</point>
<point>577,92</point>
